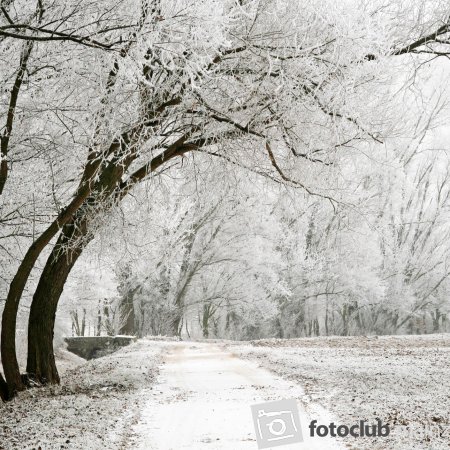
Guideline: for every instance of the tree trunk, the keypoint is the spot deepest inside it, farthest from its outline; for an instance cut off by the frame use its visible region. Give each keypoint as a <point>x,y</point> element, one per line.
<point>73,239</point>
<point>127,313</point>
<point>436,320</point>
<point>75,323</point>
<point>108,178</point>
<point>177,323</point>
<point>3,389</point>
<point>99,319</point>
<point>205,320</point>
<point>83,323</point>
<point>9,358</point>
<point>17,286</point>
<point>41,365</point>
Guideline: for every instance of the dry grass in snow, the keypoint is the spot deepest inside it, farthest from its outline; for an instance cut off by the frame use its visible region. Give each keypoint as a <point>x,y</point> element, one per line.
<point>403,380</point>
<point>93,407</point>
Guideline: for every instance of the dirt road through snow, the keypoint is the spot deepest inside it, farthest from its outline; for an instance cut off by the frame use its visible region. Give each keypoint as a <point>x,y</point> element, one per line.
<point>202,401</point>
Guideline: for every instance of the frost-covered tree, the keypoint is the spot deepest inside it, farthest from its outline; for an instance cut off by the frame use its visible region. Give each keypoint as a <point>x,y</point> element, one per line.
<point>277,87</point>
<point>207,255</point>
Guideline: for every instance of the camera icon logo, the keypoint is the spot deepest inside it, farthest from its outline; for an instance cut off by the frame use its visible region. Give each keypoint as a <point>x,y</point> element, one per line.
<point>277,423</point>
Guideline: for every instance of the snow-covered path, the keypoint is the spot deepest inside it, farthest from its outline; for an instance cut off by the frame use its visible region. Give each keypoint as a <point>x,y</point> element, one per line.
<point>202,401</point>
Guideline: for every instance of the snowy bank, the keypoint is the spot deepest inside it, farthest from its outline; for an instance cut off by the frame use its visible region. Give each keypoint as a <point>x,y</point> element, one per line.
<point>93,407</point>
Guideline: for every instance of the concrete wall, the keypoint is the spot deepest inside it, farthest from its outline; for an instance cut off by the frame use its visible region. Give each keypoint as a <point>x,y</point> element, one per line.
<point>89,347</point>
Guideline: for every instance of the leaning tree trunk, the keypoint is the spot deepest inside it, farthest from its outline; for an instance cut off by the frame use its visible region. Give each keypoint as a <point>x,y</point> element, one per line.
<point>17,286</point>
<point>3,389</point>
<point>41,366</point>
<point>9,316</point>
<point>74,237</point>
<point>126,310</point>
<point>109,179</point>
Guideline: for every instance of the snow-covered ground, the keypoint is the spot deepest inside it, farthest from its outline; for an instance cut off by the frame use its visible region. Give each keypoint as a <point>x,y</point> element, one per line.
<point>93,408</point>
<point>202,401</point>
<point>163,395</point>
<point>402,380</point>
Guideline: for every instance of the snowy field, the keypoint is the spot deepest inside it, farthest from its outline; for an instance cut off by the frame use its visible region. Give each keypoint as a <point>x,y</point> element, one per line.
<point>164,395</point>
<point>404,381</point>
